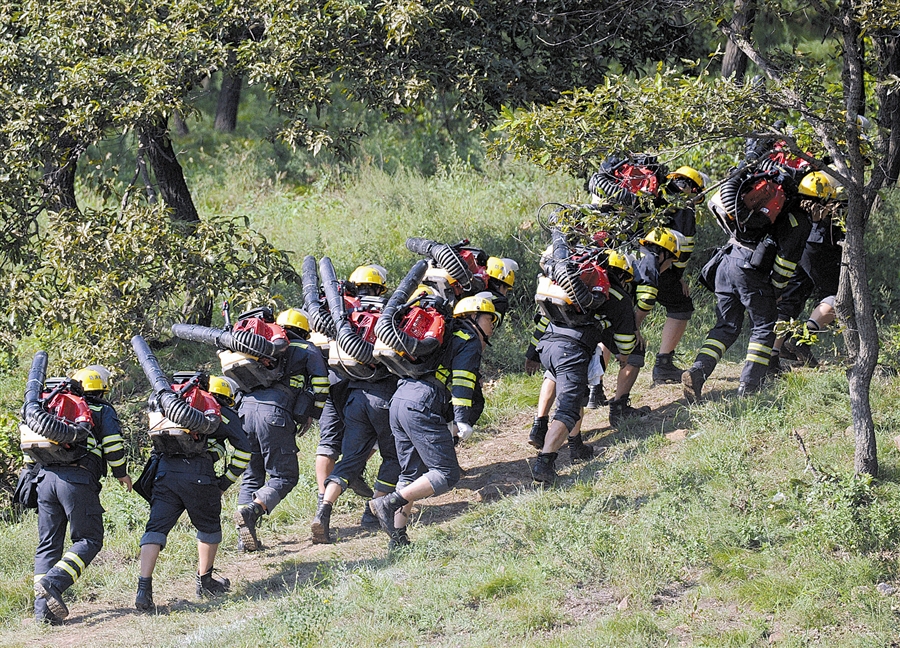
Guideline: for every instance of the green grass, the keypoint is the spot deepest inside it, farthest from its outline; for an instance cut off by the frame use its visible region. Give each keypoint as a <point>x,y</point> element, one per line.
<point>722,539</point>
<point>700,517</point>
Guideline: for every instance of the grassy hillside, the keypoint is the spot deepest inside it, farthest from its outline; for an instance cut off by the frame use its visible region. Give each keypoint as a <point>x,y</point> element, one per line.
<point>705,526</point>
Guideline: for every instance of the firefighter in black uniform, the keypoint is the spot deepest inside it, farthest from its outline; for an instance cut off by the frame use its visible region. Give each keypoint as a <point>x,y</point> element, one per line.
<point>670,289</point>
<point>69,494</point>
<point>271,416</point>
<point>660,248</point>
<point>760,259</point>
<point>501,276</point>
<point>428,412</point>
<point>368,282</point>
<point>620,337</point>
<point>186,480</point>
<point>820,266</point>
<point>616,318</point>
<point>566,351</point>
<point>366,422</point>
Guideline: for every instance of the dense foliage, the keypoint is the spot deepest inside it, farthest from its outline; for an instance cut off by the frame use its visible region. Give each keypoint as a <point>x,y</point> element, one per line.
<point>104,276</point>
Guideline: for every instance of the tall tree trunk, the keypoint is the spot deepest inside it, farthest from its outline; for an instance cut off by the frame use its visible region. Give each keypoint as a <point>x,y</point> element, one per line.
<point>181,127</point>
<point>145,178</point>
<point>229,100</point>
<point>887,55</point>
<point>860,332</point>
<point>59,175</point>
<point>857,315</point>
<point>735,61</point>
<point>157,147</point>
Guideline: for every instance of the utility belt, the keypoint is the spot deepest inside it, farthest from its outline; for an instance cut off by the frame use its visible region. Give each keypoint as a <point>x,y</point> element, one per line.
<point>587,336</point>
<point>760,256</point>
<point>277,395</point>
<point>200,465</point>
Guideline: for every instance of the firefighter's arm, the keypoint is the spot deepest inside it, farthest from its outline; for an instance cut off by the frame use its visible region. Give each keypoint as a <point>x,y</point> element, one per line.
<point>531,354</point>
<point>112,443</point>
<point>622,320</point>
<point>464,367</point>
<point>308,381</point>
<point>318,378</point>
<point>790,237</point>
<point>232,431</point>
<point>646,291</point>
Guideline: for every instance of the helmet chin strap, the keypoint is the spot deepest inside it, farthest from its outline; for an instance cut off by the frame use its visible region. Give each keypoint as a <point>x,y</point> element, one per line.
<point>484,336</point>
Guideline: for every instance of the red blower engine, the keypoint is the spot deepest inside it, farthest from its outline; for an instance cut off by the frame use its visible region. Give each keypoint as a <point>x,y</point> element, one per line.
<point>750,200</point>
<point>573,286</point>
<point>782,156</point>
<point>363,322</point>
<point>249,350</point>
<point>173,439</point>
<point>412,327</point>
<point>562,306</point>
<point>637,179</point>
<point>765,196</point>
<point>424,322</point>
<point>455,270</point>
<point>624,181</point>
<point>250,371</point>
<point>60,409</point>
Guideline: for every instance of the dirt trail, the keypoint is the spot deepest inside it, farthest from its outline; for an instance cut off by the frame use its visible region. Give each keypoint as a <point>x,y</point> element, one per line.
<point>496,465</point>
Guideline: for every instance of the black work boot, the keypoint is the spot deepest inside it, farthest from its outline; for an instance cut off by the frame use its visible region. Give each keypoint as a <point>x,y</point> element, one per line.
<point>46,589</point>
<point>321,533</point>
<point>543,470</point>
<point>665,371</point>
<point>368,520</point>
<point>399,539</point>
<point>42,613</point>
<point>578,451</point>
<point>384,508</point>
<point>144,598</point>
<point>359,486</point>
<point>799,352</point>
<point>209,585</point>
<point>692,383</point>
<point>775,368</point>
<point>538,432</point>
<point>246,518</point>
<point>620,410</point>
<point>596,397</point>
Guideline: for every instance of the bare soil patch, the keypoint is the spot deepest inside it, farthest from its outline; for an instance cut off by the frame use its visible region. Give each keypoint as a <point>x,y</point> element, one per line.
<point>496,465</point>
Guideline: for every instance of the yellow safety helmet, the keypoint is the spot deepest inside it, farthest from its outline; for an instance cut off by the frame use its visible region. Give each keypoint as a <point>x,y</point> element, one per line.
<point>475,305</point>
<point>293,319</point>
<point>91,380</point>
<point>503,270</point>
<point>369,274</point>
<point>424,288</point>
<point>220,385</point>
<point>820,185</point>
<point>623,262</point>
<point>665,238</point>
<point>691,174</point>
